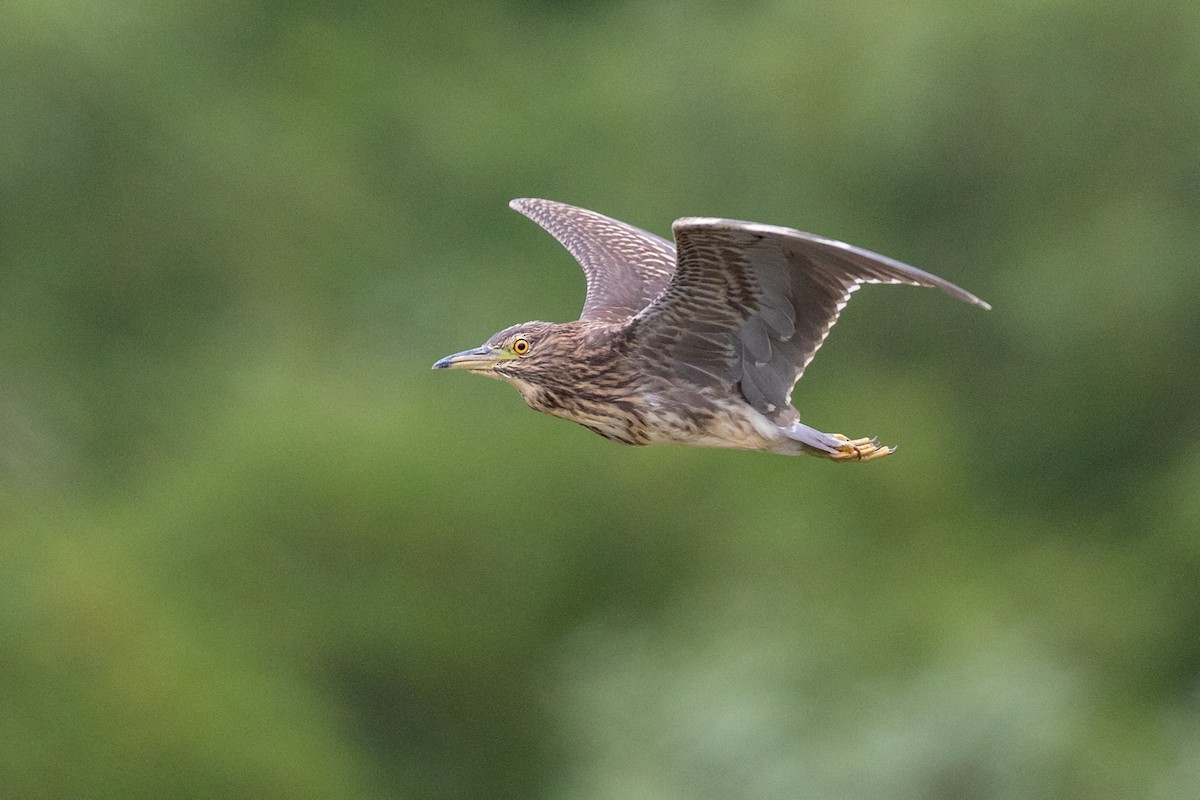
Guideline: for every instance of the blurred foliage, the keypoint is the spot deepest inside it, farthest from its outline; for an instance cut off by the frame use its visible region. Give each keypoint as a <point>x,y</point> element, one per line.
<point>251,547</point>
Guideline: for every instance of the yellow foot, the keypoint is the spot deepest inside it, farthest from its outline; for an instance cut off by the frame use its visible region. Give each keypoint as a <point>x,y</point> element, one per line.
<point>859,449</point>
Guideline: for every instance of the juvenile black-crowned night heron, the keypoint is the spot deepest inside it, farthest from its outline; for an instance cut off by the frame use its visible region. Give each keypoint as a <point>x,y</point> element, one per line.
<point>699,342</point>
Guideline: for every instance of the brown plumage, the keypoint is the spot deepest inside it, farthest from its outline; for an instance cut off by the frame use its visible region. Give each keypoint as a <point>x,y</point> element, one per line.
<point>700,342</point>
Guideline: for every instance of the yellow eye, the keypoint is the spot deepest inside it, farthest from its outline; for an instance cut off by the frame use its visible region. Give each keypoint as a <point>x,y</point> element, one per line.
<point>520,346</point>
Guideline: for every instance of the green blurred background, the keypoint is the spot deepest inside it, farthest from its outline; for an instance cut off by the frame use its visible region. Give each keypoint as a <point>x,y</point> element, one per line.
<point>251,547</point>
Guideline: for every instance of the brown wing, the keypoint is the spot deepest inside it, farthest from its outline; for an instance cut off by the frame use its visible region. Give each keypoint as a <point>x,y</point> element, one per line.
<point>626,267</point>
<point>750,304</point>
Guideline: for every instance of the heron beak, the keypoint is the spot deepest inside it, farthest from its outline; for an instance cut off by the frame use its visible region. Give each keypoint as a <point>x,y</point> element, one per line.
<point>479,358</point>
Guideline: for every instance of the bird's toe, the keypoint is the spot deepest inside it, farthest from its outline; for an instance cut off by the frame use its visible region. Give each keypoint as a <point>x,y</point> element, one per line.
<point>863,449</point>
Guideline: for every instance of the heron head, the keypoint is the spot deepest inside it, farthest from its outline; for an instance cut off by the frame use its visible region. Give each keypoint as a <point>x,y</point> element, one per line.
<point>523,352</point>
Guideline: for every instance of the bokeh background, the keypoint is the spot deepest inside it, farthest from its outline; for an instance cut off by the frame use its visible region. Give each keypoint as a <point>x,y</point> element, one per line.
<point>250,546</point>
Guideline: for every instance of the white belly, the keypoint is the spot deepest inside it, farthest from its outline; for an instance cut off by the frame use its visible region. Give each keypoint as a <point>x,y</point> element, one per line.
<point>712,424</point>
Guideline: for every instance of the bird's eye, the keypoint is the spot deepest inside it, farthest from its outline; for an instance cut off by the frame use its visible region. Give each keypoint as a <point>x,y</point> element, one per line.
<point>520,346</point>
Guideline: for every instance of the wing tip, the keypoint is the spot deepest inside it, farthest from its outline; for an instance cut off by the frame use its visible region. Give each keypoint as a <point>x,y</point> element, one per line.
<point>522,203</point>
<point>959,293</point>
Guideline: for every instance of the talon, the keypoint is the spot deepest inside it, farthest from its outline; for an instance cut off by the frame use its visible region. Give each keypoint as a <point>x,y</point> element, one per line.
<point>863,449</point>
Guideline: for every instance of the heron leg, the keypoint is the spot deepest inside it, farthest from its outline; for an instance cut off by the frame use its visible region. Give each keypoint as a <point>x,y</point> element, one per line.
<point>835,446</point>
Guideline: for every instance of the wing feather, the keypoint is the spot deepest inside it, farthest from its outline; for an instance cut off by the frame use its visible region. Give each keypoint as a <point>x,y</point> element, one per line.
<point>626,267</point>
<point>766,298</point>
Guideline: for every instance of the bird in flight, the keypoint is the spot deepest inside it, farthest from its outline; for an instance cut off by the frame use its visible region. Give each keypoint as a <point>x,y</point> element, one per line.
<point>697,342</point>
